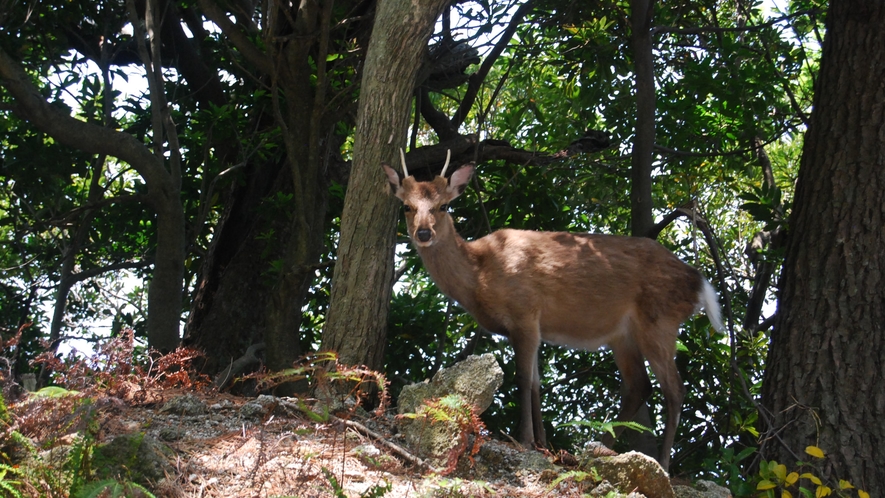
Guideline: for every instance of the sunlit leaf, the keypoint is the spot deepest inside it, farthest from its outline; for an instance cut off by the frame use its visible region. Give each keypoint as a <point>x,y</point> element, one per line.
<point>815,451</point>
<point>811,477</point>
<point>765,484</point>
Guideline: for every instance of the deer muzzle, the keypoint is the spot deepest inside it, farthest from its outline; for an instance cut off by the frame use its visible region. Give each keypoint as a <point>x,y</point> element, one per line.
<point>423,234</point>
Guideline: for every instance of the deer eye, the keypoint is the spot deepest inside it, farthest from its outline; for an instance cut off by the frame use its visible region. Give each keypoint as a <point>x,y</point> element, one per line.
<point>407,208</point>
<point>444,207</point>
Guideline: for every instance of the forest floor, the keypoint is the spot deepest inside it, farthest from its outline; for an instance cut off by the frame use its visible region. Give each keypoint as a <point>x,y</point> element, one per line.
<point>114,428</point>
<point>220,445</point>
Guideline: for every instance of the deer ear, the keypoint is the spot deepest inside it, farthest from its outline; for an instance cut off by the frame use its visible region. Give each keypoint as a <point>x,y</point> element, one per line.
<point>393,178</point>
<point>459,179</point>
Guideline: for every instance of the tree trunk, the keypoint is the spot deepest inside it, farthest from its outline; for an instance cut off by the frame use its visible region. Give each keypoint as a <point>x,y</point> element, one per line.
<point>644,137</point>
<point>228,312</point>
<point>252,287</point>
<point>356,324</point>
<point>825,375</point>
<point>641,217</point>
<point>165,288</point>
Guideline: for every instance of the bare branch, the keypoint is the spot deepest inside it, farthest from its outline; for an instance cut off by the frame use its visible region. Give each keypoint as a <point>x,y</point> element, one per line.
<point>94,272</point>
<point>477,78</point>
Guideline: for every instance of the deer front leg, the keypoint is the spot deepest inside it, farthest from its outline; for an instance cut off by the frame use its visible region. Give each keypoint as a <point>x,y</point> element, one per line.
<point>528,388</point>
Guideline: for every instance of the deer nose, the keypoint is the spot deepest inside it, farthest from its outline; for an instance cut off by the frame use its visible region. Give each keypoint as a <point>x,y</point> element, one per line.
<point>423,234</point>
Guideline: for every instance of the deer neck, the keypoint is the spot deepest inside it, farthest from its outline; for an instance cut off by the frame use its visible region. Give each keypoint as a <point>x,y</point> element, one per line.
<point>451,266</point>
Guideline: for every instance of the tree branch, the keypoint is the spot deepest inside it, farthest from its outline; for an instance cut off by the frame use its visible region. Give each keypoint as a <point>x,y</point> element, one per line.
<point>93,272</point>
<point>30,105</point>
<point>477,78</point>
<point>250,52</point>
<point>741,29</point>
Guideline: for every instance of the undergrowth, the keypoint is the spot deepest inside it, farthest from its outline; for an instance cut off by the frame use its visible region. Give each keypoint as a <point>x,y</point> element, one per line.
<point>775,480</point>
<point>49,439</point>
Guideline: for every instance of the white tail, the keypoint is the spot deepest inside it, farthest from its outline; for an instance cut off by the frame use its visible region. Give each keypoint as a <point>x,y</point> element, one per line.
<point>574,289</point>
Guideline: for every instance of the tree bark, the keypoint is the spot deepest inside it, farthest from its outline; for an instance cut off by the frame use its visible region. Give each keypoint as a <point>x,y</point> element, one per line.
<point>824,378</point>
<point>252,288</point>
<point>641,220</point>
<point>356,323</point>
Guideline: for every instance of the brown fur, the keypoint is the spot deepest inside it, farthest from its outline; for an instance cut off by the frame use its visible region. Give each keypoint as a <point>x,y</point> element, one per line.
<point>577,290</point>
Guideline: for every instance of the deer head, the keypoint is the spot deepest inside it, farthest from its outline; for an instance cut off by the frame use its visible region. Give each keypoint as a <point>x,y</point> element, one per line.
<point>426,204</point>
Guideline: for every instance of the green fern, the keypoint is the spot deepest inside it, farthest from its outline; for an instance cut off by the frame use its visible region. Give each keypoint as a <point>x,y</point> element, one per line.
<point>333,482</point>
<point>574,475</point>
<point>608,427</point>
<point>110,488</point>
<point>8,487</point>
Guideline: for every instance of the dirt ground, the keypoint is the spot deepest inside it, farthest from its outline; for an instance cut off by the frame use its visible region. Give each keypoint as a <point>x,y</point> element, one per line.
<point>220,445</point>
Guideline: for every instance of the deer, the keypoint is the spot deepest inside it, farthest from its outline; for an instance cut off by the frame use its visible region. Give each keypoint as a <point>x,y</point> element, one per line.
<point>577,290</point>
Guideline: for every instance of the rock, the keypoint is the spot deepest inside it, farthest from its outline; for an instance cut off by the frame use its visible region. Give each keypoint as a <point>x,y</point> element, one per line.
<point>604,488</point>
<point>474,381</point>
<point>259,407</point>
<point>187,404</point>
<point>702,489</point>
<point>170,433</point>
<point>633,472</point>
<point>496,458</point>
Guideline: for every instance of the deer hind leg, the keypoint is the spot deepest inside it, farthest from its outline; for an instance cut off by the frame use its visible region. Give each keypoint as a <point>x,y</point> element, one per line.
<point>635,384</point>
<point>537,421</point>
<point>661,355</point>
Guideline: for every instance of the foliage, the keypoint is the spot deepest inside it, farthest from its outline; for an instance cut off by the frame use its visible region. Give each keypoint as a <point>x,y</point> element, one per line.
<point>321,369</point>
<point>608,426</point>
<point>9,487</point>
<point>773,477</point>
<point>110,488</point>
<point>578,476</point>
<point>118,366</point>
<point>53,434</point>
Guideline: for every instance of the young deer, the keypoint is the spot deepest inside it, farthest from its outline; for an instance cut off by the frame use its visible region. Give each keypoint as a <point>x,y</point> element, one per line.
<point>573,289</point>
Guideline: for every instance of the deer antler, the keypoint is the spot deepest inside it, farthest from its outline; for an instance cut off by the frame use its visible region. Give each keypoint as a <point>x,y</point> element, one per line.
<point>402,156</point>
<point>448,157</point>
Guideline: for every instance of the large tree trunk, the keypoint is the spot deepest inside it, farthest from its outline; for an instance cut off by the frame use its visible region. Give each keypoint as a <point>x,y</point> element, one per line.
<point>230,308</point>
<point>356,325</point>
<point>252,285</point>
<point>825,375</point>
